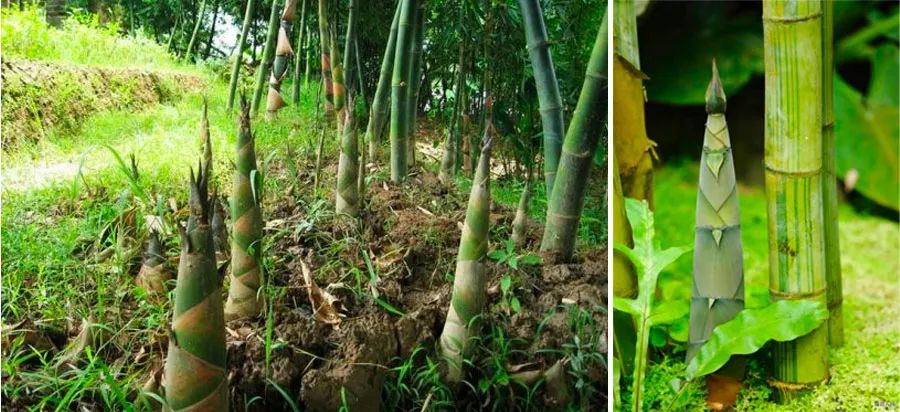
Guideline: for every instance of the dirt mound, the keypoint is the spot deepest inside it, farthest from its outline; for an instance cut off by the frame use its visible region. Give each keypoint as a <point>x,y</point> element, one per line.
<point>40,97</point>
<point>410,237</point>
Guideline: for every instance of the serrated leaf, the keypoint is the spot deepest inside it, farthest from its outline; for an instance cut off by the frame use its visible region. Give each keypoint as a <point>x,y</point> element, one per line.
<point>781,321</point>
<point>513,262</point>
<point>497,255</point>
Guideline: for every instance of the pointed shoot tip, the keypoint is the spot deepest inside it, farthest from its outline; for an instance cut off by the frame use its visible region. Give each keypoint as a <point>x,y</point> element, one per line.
<point>715,94</point>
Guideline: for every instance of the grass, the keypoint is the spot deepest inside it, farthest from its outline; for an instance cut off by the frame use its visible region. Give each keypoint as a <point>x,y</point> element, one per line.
<point>863,374</point>
<point>26,35</point>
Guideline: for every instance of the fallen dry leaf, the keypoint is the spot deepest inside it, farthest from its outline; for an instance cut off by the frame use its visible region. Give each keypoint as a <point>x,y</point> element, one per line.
<point>321,301</point>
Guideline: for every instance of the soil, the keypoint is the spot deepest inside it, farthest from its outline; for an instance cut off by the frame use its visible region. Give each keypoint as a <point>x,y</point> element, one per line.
<point>412,235</point>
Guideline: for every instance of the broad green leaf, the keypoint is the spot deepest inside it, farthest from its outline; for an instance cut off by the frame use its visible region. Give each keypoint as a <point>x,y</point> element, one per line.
<point>781,321</point>
<point>677,56</point>
<point>626,305</point>
<point>505,283</point>
<point>497,255</point>
<point>669,311</point>
<point>515,305</point>
<point>867,130</point>
<point>530,259</point>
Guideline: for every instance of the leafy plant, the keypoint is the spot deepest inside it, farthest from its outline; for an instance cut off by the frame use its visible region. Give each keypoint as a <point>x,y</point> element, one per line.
<point>648,261</point>
<point>781,321</point>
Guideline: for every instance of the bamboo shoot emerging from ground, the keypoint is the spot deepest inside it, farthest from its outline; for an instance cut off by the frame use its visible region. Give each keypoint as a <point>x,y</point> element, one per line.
<point>792,33</point>
<point>567,200</point>
<point>520,222</point>
<point>347,192</point>
<point>236,68</point>
<point>718,291</point>
<point>268,54</point>
<point>469,283</point>
<point>325,52</point>
<point>153,276</point>
<point>195,376</point>
<point>829,184</point>
<point>245,296</point>
<point>400,90</point>
<point>547,87</point>
<point>380,105</point>
<point>634,150</point>
<point>283,53</point>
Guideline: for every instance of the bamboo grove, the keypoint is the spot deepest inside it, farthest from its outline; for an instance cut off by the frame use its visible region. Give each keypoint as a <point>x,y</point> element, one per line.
<point>374,82</point>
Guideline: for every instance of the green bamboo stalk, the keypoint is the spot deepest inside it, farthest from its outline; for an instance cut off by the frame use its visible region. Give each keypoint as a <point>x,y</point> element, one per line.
<point>520,222</point>
<point>190,48</point>
<point>359,74</point>
<point>348,41</point>
<point>246,298</point>
<point>469,283</point>
<point>718,288</point>
<point>400,91</point>
<point>306,47</point>
<point>283,53</point>
<point>296,83</point>
<point>379,114</point>
<point>448,159</point>
<point>547,87</point>
<point>347,192</point>
<point>195,376</point>
<point>792,33</point>
<point>829,185</point>
<point>337,79</point>
<point>325,52</point>
<point>236,68</point>
<point>267,57</point>
<point>567,200</point>
<point>415,74</point>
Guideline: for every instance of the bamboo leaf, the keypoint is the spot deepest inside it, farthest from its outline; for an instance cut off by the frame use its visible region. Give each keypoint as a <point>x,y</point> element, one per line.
<point>781,321</point>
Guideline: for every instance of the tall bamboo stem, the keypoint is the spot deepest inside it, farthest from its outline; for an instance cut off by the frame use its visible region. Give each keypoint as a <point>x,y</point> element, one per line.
<point>379,114</point>
<point>400,91</point>
<point>829,184</point>
<point>190,48</point>
<point>236,68</point>
<point>268,55</point>
<point>792,33</point>
<point>325,52</point>
<point>567,200</point>
<point>295,87</point>
<point>415,75</point>
<point>547,87</point>
<point>283,53</point>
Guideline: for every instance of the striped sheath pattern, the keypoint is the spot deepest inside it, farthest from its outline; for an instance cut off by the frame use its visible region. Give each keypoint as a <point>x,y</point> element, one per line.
<point>347,201</point>
<point>326,58</point>
<point>793,159</point>
<point>245,299</point>
<point>718,274</point>
<point>195,377</point>
<point>468,285</point>
<point>283,53</point>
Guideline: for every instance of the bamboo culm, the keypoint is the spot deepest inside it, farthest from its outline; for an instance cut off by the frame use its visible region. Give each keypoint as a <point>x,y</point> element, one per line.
<point>236,68</point>
<point>188,54</point>
<point>547,87</point>
<point>379,114</point>
<point>792,33</point>
<point>469,283</point>
<point>718,275</point>
<point>245,296</point>
<point>567,200</point>
<point>295,87</point>
<point>283,53</point>
<point>325,52</point>
<point>267,57</point>
<point>415,74</point>
<point>829,185</point>
<point>400,91</point>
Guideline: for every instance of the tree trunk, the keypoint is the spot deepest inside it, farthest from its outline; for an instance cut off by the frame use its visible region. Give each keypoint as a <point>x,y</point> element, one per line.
<point>56,12</point>
<point>242,40</point>
<point>792,34</point>
<point>212,30</point>
<point>415,80</point>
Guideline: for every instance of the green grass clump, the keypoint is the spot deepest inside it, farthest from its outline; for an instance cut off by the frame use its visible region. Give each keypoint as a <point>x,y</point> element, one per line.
<point>82,40</point>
